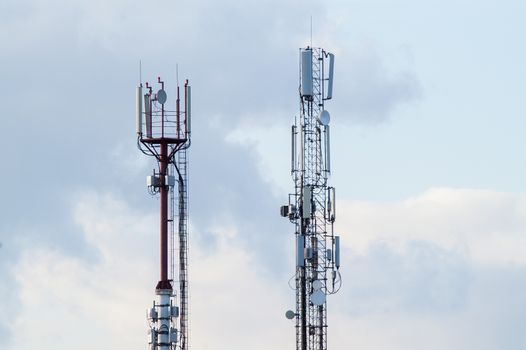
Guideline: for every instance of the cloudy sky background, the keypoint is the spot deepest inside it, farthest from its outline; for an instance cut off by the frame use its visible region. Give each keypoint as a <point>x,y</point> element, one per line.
<point>428,123</point>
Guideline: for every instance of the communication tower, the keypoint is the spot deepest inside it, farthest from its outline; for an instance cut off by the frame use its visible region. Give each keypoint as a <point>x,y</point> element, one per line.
<point>165,135</point>
<point>311,207</point>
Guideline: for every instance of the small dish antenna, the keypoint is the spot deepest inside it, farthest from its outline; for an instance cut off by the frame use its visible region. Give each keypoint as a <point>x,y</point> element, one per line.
<point>317,298</point>
<point>290,314</point>
<point>316,285</point>
<point>324,118</point>
<point>161,96</point>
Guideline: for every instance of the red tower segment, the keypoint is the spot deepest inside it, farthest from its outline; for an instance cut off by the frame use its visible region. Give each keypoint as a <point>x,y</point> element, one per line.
<point>166,134</point>
<point>167,137</point>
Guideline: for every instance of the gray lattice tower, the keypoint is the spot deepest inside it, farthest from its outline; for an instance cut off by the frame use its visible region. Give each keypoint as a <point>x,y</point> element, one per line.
<point>312,205</point>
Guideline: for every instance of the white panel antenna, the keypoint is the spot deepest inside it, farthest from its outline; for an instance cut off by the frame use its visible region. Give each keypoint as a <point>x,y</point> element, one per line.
<point>138,110</point>
<point>306,73</point>
<point>331,76</point>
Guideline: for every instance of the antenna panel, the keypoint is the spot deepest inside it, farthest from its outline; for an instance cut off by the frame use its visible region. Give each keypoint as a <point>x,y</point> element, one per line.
<point>331,75</point>
<point>138,110</point>
<point>337,251</point>
<point>306,73</point>
<point>188,105</point>
<point>327,149</point>
<point>148,115</point>
<point>300,250</point>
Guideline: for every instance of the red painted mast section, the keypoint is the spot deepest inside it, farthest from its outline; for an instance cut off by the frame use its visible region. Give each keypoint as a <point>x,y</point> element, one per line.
<point>159,144</point>
<point>164,283</point>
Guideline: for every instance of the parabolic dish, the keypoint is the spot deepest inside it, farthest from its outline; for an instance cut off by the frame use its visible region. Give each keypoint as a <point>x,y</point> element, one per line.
<point>161,96</point>
<point>317,298</point>
<point>316,285</point>
<point>290,314</point>
<point>324,118</point>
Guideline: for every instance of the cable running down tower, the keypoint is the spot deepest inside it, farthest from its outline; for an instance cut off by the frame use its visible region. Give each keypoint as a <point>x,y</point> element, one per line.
<point>311,207</point>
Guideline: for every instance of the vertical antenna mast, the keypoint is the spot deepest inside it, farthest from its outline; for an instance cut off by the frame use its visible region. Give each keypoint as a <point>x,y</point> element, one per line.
<point>311,30</point>
<point>311,207</point>
<point>140,72</point>
<point>167,138</point>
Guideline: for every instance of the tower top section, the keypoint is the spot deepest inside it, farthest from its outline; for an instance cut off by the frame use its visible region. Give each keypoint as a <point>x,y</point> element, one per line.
<point>156,123</point>
<point>316,74</point>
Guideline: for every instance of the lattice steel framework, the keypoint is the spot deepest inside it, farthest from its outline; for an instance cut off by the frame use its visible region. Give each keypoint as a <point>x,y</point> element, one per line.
<point>311,206</point>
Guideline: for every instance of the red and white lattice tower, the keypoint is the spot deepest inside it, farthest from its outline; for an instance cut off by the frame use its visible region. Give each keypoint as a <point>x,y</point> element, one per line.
<point>165,135</point>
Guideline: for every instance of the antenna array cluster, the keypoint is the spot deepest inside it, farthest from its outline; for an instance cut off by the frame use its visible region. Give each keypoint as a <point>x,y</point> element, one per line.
<point>312,206</point>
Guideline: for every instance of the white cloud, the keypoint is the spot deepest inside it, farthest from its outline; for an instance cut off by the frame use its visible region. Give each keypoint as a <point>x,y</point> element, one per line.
<point>406,280</point>
<point>444,269</point>
<point>67,301</point>
<point>368,89</point>
<point>487,226</point>
<point>234,305</point>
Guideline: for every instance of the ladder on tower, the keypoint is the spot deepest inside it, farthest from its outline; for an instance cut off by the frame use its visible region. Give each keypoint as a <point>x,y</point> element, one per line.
<point>182,163</point>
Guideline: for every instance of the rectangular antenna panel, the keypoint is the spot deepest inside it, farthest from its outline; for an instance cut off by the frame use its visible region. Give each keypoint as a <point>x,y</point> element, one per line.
<point>327,149</point>
<point>302,148</point>
<point>293,148</point>
<point>309,253</point>
<point>319,146</point>
<point>138,110</point>
<point>331,76</point>
<point>337,251</point>
<point>188,106</point>
<point>331,204</point>
<point>300,250</point>
<point>306,72</point>
<point>307,202</point>
<point>333,201</point>
<point>148,114</point>
<point>328,254</point>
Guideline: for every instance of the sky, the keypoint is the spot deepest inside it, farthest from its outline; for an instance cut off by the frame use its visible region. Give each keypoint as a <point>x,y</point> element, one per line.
<point>427,120</point>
